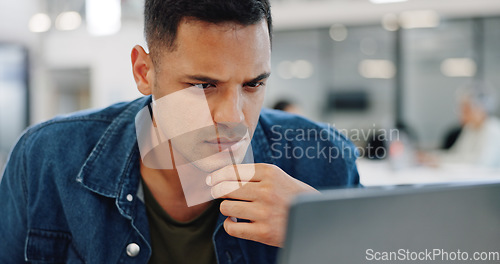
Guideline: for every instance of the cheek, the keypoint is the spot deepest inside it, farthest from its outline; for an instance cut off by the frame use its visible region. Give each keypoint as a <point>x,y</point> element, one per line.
<point>182,113</point>
<point>159,92</point>
<point>252,109</point>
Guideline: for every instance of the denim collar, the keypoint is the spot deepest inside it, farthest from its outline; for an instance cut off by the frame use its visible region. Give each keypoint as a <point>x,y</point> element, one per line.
<point>112,159</point>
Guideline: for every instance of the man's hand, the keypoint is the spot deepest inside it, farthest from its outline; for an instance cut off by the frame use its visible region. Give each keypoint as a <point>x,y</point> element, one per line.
<point>261,193</point>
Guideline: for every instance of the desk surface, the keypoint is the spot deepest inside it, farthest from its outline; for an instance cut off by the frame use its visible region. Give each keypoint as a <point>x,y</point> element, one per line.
<point>380,173</point>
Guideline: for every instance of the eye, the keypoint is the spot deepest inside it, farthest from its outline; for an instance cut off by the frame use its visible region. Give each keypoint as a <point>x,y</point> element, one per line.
<point>203,86</point>
<point>254,85</point>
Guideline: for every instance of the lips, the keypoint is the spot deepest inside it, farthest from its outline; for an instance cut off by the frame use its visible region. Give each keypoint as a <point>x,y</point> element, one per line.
<point>226,143</point>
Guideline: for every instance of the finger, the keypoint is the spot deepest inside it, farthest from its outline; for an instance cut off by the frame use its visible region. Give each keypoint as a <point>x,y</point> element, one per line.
<point>241,172</point>
<point>241,209</point>
<point>247,191</point>
<point>242,230</point>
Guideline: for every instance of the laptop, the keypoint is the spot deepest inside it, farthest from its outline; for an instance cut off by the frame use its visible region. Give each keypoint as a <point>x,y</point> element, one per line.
<point>429,224</point>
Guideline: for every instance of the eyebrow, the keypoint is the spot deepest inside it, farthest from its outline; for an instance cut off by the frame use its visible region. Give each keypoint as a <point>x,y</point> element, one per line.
<point>261,77</point>
<point>202,78</point>
<point>207,79</point>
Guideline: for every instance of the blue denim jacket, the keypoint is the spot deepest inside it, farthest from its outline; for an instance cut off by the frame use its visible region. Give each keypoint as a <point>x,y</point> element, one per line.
<point>71,190</point>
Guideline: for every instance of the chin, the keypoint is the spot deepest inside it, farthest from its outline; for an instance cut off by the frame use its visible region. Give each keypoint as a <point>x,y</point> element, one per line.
<point>217,160</point>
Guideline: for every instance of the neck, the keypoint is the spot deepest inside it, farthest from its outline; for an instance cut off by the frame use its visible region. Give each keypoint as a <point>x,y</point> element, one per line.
<point>167,188</point>
<point>164,182</point>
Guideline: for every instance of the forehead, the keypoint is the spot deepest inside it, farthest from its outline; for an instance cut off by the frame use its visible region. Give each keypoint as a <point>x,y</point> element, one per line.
<point>192,31</point>
<point>220,48</point>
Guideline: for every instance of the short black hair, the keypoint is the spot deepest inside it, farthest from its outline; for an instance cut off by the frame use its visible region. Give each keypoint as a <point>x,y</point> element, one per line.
<point>162,17</point>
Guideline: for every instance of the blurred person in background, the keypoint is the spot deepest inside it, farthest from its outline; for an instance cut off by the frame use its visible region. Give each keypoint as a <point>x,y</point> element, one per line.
<point>288,106</point>
<point>478,143</point>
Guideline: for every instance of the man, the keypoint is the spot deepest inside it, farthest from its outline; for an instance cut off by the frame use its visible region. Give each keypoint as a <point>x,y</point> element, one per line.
<point>80,189</point>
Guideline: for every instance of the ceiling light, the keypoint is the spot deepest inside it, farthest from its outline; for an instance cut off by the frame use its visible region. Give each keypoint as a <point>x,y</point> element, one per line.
<point>419,19</point>
<point>103,16</point>
<point>68,21</point>
<point>39,23</point>
<point>302,69</point>
<point>338,32</point>
<point>377,69</point>
<point>390,22</point>
<point>459,67</point>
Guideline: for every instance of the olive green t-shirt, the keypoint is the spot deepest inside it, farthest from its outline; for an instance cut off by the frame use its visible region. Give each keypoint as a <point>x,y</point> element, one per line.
<point>180,242</point>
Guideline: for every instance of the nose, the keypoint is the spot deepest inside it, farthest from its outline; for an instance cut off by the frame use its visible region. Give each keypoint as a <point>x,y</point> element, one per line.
<point>228,109</point>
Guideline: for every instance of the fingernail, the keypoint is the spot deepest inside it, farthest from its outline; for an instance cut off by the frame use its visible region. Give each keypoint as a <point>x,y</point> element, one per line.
<point>212,193</point>
<point>209,180</point>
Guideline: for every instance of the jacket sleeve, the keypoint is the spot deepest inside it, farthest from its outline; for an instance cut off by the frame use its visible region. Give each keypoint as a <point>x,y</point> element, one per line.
<point>13,207</point>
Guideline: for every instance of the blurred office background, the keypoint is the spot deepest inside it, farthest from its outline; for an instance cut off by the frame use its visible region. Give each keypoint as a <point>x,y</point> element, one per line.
<point>360,65</point>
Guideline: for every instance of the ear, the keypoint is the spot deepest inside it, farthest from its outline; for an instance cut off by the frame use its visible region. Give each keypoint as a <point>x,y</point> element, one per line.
<point>142,67</point>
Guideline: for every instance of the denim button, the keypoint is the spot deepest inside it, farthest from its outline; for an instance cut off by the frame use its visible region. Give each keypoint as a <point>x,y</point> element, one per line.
<point>133,249</point>
<point>130,197</point>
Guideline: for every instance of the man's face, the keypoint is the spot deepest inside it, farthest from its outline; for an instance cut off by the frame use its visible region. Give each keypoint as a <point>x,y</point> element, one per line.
<point>224,67</point>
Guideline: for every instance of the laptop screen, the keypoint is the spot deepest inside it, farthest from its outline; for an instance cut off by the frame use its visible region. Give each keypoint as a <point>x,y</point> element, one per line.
<point>434,224</point>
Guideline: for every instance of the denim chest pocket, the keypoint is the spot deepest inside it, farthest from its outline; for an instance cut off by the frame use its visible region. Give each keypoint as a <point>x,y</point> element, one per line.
<point>47,246</point>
